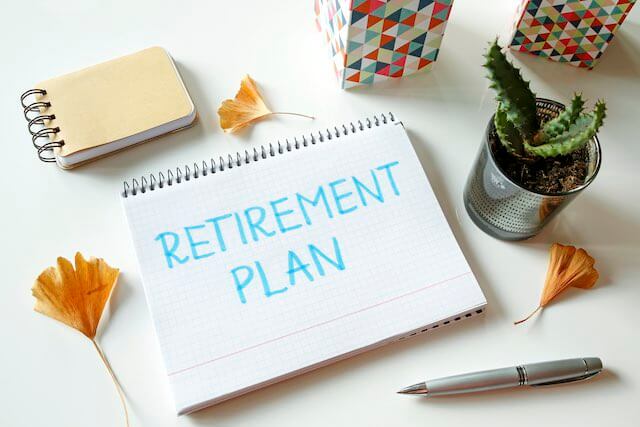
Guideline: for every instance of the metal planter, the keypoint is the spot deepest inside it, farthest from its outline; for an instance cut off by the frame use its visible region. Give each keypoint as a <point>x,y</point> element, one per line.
<point>502,208</point>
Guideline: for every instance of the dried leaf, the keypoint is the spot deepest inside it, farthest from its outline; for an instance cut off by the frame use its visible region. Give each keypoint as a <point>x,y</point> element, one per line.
<point>568,267</point>
<point>548,206</point>
<point>246,108</point>
<point>77,297</point>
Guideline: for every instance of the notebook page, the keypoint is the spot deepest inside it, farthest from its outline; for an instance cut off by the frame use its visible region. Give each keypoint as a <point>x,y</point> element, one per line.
<point>241,305</point>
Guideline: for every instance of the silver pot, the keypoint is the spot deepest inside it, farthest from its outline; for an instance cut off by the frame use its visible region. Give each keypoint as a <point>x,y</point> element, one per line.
<point>502,208</point>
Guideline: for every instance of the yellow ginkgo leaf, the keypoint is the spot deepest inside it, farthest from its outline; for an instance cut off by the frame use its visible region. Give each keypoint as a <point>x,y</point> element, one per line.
<point>568,267</point>
<point>77,297</point>
<point>246,108</point>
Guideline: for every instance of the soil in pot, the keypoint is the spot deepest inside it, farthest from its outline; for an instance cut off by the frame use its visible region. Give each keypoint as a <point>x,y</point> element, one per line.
<point>554,175</point>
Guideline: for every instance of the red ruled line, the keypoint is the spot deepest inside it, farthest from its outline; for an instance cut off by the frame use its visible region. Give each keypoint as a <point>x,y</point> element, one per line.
<point>299,331</point>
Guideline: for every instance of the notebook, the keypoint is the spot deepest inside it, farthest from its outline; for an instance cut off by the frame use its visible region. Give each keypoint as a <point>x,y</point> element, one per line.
<point>268,263</point>
<point>105,108</point>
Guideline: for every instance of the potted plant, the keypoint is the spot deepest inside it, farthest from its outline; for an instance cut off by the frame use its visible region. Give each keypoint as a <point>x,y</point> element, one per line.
<point>536,156</point>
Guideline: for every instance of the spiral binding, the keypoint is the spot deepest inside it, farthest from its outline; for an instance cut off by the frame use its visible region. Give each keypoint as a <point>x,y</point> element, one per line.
<point>160,180</point>
<point>445,322</point>
<point>44,150</point>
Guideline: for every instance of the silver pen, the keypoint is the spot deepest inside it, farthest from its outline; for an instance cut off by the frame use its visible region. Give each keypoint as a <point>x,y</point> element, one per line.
<point>533,374</point>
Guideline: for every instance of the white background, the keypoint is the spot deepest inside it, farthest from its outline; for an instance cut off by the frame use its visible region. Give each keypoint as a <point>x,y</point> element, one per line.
<point>50,375</point>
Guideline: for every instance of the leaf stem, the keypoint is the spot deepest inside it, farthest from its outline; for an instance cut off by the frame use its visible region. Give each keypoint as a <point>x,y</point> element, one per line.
<point>528,317</point>
<point>293,114</point>
<point>114,378</point>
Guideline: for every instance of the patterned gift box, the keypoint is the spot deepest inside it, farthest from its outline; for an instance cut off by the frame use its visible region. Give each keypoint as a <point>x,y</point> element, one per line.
<point>572,31</point>
<point>374,40</point>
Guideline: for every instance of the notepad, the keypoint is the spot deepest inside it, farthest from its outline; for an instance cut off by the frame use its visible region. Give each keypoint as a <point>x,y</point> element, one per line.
<point>87,114</point>
<point>265,264</point>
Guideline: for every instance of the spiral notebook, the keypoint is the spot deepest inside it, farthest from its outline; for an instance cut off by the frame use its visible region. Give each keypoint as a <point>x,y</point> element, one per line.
<point>88,114</point>
<point>269,263</point>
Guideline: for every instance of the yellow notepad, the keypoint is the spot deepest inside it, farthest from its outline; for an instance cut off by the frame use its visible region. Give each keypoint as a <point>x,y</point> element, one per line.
<point>105,108</point>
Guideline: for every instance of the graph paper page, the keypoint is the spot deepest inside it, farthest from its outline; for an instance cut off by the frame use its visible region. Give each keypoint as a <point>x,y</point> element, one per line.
<point>263,270</point>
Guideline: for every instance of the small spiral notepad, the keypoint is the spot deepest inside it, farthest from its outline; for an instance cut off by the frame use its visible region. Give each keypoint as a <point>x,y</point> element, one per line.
<point>90,113</point>
<point>266,264</point>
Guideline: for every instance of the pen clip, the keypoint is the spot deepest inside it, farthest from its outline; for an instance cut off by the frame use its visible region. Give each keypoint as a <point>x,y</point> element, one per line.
<point>567,380</point>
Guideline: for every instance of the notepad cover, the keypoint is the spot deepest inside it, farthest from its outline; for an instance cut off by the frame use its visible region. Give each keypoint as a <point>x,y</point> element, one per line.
<point>115,99</point>
<point>399,269</point>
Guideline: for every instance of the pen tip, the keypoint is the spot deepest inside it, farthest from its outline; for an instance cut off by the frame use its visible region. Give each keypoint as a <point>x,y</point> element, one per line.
<point>420,388</point>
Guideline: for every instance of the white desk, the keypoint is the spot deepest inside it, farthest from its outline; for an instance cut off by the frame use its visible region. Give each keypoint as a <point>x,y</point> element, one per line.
<point>51,376</point>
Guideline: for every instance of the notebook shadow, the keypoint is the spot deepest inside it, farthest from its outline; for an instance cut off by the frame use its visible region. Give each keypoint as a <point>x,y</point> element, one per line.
<point>257,400</point>
<point>437,181</point>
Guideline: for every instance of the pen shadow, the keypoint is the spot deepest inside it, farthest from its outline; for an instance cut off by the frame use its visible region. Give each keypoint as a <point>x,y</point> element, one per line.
<point>506,396</point>
<point>303,384</point>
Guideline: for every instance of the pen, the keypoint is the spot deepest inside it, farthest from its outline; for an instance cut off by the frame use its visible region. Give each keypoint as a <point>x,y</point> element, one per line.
<point>533,374</point>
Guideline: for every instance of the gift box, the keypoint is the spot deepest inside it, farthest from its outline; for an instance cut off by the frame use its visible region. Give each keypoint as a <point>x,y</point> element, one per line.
<point>572,31</point>
<point>374,40</point>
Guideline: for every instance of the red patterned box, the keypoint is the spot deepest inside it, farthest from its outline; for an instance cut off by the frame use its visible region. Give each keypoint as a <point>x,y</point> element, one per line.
<point>374,40</point>
<point>573,31</point>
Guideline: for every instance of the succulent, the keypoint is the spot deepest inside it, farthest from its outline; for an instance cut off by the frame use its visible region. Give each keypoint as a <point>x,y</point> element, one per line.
<point>516,121</point>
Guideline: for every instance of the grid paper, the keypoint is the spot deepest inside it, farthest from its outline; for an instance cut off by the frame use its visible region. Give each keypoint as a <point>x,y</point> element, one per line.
<point>403,268</point>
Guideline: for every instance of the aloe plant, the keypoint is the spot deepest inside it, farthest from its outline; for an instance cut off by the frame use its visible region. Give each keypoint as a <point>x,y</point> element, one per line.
<point>517,124</point>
